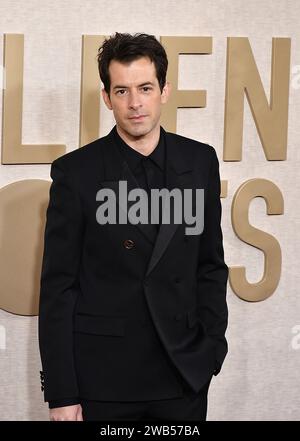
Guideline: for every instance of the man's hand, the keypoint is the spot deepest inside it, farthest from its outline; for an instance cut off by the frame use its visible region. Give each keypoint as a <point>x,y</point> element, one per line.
<point>66,413</point>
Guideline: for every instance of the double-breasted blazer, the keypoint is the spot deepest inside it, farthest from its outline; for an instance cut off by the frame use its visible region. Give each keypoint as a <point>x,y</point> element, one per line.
<point>126,312</point>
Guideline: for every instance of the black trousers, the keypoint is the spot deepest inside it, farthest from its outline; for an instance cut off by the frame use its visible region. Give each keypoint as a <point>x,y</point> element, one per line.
<point>191,407</point>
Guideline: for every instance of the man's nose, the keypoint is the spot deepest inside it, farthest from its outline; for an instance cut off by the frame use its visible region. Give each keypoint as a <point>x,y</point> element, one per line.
<point>134,100</point>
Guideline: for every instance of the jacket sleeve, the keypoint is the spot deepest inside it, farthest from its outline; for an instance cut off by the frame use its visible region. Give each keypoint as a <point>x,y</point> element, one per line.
<point>59,286</point>
<point>63,402</point>
<point>212,274</point>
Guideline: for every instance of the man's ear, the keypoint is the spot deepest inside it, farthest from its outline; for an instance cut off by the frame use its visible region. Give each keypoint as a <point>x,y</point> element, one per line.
<point>166,92</point>
<point>106,99</point>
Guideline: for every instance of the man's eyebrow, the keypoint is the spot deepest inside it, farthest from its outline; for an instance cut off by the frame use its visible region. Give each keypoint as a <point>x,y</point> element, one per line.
<point>140,85</point>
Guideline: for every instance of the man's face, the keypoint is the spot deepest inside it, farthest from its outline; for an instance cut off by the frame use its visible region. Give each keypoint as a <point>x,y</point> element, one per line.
<point>135,97</point>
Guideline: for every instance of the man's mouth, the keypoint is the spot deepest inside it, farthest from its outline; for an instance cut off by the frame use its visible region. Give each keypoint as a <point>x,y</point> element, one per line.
<point>137,117</point>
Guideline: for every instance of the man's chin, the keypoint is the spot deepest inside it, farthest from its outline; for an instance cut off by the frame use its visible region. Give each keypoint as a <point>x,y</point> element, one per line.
<point>138,131</point>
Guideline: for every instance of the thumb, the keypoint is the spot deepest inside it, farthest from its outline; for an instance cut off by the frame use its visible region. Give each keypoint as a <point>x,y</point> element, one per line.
<point>79,414</point>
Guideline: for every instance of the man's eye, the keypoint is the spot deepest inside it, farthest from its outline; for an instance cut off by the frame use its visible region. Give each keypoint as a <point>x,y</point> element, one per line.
<point>146,88</point>
<point>121,91</point>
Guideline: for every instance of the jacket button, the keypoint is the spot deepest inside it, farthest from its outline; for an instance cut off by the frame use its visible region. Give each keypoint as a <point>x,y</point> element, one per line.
<point>128,244</point>
<point>42,388</point>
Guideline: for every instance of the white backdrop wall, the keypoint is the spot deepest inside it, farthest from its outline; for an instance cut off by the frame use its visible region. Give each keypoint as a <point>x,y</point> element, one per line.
<point>260,376</point>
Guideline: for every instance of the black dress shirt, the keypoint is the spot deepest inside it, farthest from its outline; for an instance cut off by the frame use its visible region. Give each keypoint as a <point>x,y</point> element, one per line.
<point>149,172</point>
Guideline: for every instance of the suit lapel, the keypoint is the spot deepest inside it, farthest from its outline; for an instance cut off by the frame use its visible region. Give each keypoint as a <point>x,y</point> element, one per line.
<point>178,175</point>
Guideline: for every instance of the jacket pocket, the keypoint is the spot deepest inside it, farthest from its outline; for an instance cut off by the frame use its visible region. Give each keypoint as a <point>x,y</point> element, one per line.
<point>193,321</point>
<point>99,324</point>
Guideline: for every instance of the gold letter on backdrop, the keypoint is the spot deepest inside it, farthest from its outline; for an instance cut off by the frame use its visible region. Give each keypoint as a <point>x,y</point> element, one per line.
<point>175,46</point>
<point>250,189</point>
<point>22,223</point>
<point>13,151</point>
<point>271,119</point>
<point>90,89</point>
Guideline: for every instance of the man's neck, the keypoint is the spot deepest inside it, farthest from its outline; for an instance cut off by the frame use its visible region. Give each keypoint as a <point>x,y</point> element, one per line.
<point>143,144</point>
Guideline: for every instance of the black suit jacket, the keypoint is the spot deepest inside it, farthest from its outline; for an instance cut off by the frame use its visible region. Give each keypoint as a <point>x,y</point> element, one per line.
<point>126,312</point>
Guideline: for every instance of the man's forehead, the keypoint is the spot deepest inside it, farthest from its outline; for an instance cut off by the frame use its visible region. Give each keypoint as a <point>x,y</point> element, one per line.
<point>128,74</point>
<point>138,66</point>
<point>139,60</point>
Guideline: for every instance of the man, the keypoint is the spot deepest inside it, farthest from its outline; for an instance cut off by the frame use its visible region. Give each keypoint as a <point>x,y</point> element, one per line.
<point>132,315</point>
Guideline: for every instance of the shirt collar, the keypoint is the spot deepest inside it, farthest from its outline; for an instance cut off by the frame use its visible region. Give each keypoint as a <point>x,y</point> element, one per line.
<point>133,157</point>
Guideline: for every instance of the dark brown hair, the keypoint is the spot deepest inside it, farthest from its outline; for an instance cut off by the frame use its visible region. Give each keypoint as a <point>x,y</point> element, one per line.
<point>126,48</point>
